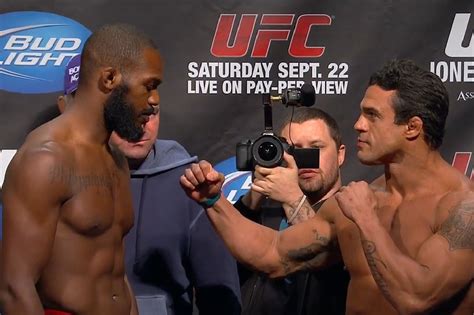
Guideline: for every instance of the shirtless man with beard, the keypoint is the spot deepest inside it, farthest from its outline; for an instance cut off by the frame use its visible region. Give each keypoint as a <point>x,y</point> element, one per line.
<point>67,200</point>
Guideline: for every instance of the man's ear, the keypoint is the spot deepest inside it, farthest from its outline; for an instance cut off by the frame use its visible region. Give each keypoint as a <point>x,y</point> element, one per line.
<point>61,102</point>
<point>110,78</point>
<point>341,155</point>
<point>414,127</point>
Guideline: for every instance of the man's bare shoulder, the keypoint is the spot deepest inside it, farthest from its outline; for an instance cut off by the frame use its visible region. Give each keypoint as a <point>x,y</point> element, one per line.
<point>455,214</point>
<point>457,189</point>
<point>45,141</point>
<point>36,160</point>
<point>53,139</point>
<point>58,130</point>
<point>35,179</point>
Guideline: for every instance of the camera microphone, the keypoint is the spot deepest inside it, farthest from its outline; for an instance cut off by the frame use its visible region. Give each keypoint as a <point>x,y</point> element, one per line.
<point>303,96</point>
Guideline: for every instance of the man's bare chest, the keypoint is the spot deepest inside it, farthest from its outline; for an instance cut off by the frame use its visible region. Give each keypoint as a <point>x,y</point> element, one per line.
<point>409,224</point>
<point>100,200</point>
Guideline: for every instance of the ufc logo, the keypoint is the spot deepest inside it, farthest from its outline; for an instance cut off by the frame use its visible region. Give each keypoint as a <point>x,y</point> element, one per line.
<point>277,28</point>
<point>461,162</point>
<point>459,31</point>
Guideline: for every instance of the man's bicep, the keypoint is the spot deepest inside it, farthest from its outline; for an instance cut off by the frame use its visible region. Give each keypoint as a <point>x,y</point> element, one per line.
<point>307,245</point>
<point>448,254</point>
<point>31,209</point>
<point>458,228</point>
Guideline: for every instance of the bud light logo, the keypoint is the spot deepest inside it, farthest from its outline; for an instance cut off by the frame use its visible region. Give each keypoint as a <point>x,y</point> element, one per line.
<point>236,183</point>
<point>35,49</point>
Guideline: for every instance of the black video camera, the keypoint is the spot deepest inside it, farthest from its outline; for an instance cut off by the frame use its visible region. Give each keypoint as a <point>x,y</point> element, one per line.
<point>267,150</point>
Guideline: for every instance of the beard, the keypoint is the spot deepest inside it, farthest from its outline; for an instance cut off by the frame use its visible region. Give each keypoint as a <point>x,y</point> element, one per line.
<point>317,188</point>
<point>120,117</point>
<point>314,187</point>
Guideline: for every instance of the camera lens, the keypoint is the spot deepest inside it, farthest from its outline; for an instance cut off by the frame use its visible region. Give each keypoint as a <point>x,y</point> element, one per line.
<point>267,151</point>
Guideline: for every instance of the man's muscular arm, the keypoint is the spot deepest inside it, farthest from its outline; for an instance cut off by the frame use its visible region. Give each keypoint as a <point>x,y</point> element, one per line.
<point>442,266</point>
<point>262,248</point>
<point>33,192</point>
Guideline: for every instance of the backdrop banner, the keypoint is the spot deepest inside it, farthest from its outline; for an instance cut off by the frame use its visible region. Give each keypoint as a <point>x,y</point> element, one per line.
<point>221,56</point>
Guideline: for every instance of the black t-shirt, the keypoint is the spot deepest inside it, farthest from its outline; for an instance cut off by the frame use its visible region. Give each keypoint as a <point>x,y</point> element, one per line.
<point>321,292</point>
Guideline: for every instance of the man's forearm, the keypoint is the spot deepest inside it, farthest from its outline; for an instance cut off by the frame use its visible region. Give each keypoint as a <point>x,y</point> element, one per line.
<point>298,211</point>
<point>249,243</point>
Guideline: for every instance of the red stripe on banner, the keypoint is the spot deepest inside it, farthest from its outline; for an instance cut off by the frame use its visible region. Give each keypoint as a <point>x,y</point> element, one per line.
<point>461,161</point>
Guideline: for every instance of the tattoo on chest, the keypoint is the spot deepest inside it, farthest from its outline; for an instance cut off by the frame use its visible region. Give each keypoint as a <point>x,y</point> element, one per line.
<point>77,182</point>
<point>458,229</point>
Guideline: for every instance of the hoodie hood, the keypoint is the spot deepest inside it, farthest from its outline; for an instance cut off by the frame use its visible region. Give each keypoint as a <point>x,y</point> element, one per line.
<point>165,155</point>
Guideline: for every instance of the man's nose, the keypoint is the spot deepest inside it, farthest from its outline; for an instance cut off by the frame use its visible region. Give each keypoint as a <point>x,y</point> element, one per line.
<point>360,124</point>
<point>154,98</point>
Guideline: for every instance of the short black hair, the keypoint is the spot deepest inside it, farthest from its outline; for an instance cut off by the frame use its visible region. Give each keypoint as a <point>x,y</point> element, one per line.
<point>116,45</point>
<point>419,93</point>
<point>302,114</point>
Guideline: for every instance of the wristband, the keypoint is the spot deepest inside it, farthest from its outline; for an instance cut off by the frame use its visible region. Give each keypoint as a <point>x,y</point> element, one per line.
<point>300,204</point>
<point>209,202</point>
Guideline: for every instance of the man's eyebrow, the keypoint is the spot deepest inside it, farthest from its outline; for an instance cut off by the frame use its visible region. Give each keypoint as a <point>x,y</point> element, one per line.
<point>314,142</point>
<point>155,81</point>
<point>371,110</point>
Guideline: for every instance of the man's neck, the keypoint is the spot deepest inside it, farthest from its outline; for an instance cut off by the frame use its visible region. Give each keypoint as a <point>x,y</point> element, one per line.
<point>407,175</point>
<point>318,196</point>
<point>89,117</point>
<point>134,164</point>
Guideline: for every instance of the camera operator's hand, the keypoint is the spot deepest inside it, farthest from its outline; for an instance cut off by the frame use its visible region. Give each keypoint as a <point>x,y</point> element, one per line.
<point>202,182</point>
<point>278,183</point>
<point>252,200</point>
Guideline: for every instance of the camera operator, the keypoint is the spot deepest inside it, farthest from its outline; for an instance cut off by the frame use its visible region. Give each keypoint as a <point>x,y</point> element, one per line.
<point>322,292</point>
